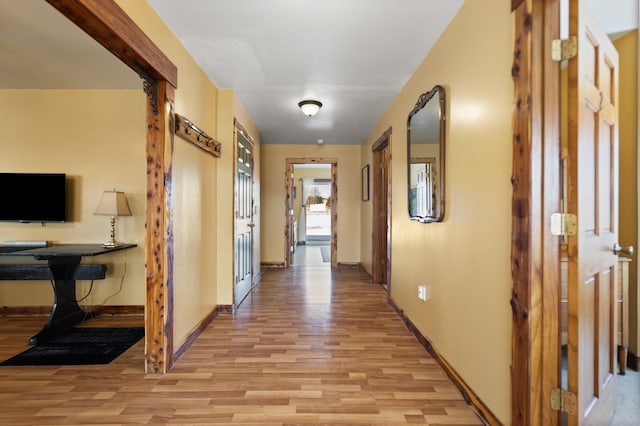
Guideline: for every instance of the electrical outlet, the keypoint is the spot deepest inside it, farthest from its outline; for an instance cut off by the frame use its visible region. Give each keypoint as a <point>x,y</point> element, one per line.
<point>422,292</point>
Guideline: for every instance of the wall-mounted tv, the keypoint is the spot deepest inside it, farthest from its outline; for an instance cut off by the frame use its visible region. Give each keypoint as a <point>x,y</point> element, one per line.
<point>33,197</point>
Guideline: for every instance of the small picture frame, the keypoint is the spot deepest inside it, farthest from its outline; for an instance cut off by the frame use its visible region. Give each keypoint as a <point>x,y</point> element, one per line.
<point>365,183</point>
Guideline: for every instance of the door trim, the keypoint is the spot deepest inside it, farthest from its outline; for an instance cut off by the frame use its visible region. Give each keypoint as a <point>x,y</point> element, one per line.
<point>535,257</point>
<point>288,179</point>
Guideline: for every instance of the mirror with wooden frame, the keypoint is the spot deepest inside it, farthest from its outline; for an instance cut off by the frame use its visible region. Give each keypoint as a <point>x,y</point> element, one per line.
<point>425,156</point>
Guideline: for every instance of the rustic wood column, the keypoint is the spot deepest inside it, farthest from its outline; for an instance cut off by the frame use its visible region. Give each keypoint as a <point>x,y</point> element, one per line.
<point>521,245</point>
<point>535,367</point>
<point>159,232</point>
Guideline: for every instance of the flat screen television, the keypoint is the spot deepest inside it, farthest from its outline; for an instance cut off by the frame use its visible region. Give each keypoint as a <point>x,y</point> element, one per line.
<point>33,197</point>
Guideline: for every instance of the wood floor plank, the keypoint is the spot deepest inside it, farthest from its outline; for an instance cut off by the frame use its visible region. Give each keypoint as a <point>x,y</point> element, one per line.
<point>309,346</point>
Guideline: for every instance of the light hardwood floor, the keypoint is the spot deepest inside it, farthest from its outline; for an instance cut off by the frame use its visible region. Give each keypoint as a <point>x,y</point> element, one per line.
<point>311,255</point>
<point>309,345</point>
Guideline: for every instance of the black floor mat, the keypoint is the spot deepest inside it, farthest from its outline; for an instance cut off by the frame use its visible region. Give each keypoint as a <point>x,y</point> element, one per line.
<point>80,346</point>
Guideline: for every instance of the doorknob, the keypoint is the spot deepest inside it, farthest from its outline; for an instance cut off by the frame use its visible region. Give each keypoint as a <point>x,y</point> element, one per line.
<point>617,249</point>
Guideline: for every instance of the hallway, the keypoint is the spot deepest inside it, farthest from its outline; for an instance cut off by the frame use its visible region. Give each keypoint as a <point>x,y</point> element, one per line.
<point>309,345</point>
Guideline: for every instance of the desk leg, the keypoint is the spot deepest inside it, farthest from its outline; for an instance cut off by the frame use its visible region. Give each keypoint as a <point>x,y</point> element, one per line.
<point>65,312</point>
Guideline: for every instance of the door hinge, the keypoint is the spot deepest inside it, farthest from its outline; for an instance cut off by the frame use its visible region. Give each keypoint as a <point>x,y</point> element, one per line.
<point>564,224</point>
<point>563,400</point>
<point>563,49</point>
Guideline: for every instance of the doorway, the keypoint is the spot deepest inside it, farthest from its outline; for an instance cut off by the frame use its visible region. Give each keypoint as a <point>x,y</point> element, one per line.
<point>312,205</point>
<point>311,211</point>
<point>537,361</point>
<point>381,257</point>
<point>114,29</point>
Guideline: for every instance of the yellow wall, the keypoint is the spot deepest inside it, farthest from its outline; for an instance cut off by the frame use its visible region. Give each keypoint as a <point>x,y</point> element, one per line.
<point>194,179</point>
<point>96,137</point>
<point>273,191</point>
<point>224,189</point>
<point>464,261</point>
<point>207,280</point>
<point>203,185</point>
<point>627,47</point>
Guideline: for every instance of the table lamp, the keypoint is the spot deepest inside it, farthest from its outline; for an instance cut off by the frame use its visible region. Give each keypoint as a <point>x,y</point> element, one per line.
<point>113,203</point>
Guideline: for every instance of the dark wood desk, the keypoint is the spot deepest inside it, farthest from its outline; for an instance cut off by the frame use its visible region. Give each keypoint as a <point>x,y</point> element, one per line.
<point>63,268</point>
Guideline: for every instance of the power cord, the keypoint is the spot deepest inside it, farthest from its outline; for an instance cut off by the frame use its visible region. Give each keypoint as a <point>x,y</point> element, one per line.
<point>88,292</point>
<point>124,272</point>
<point>53,285</point>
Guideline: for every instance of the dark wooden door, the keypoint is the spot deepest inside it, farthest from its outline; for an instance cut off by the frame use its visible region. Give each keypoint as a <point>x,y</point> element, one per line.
<point>381,257</point>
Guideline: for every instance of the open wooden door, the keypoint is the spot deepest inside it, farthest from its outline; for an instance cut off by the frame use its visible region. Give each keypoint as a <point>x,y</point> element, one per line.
<point>593,196</point>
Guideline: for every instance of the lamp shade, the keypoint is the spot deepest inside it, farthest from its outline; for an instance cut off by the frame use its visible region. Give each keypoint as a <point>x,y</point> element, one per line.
<point>310,107</point>
<point>113,203</point>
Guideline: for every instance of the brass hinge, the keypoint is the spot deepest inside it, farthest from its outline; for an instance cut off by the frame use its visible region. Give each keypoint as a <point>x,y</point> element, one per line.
<point>563,400</point>
<point>564,224</point>
<point>563,49</point>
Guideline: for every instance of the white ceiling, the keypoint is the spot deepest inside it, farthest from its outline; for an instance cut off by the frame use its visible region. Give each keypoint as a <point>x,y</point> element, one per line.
<point>352,55</point>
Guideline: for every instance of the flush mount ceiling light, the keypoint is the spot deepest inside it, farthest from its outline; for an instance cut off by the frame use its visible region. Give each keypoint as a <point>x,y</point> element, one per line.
<point>309,107</point>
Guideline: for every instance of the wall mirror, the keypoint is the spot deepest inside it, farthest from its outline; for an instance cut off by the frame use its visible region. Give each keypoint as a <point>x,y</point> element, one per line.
<point>425,156</point>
